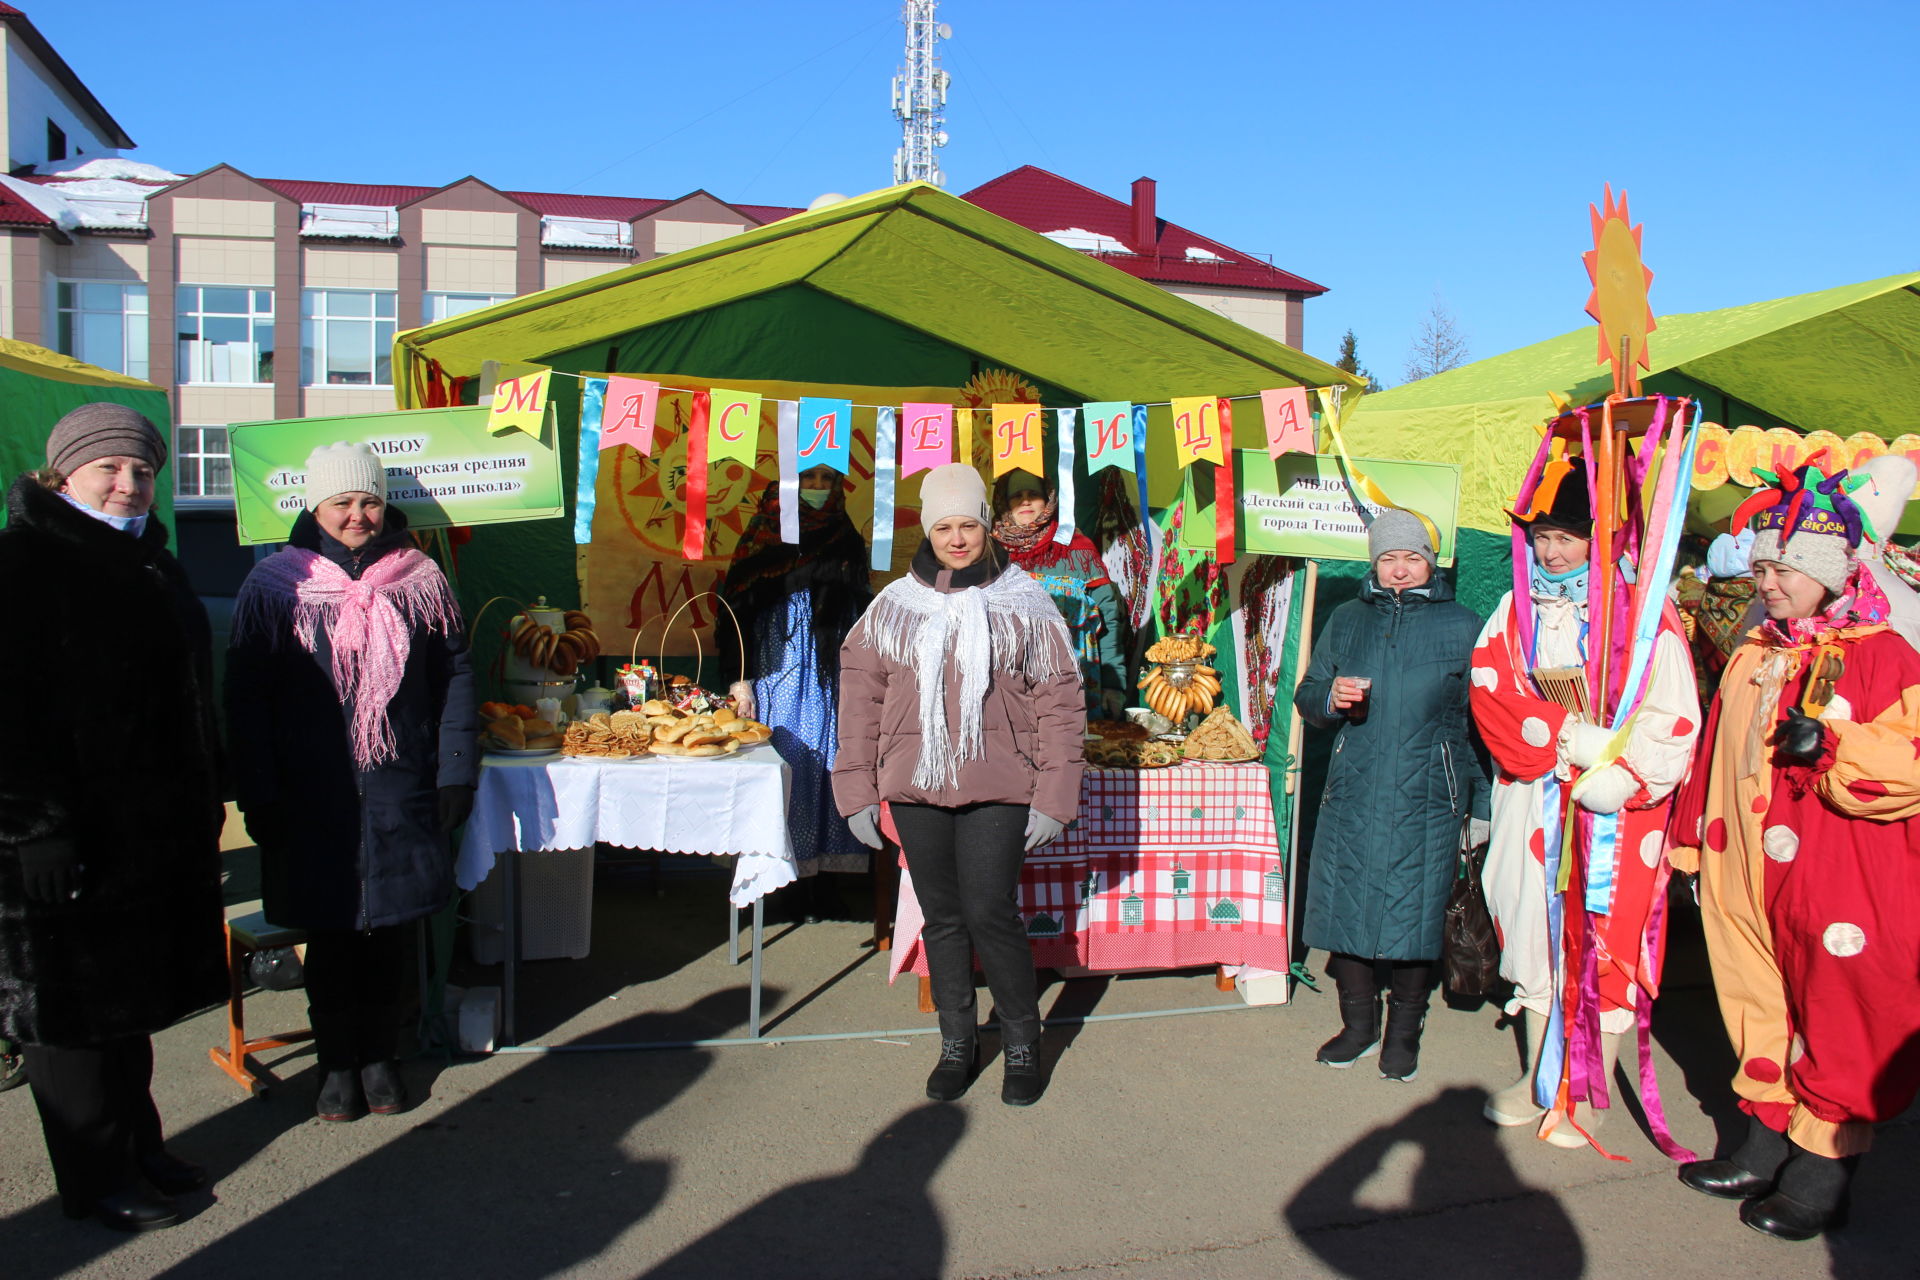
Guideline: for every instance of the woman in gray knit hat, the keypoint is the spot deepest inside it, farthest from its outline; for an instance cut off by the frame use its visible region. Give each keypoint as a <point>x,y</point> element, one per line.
<point>110,813</point>
<point>1389,674</point>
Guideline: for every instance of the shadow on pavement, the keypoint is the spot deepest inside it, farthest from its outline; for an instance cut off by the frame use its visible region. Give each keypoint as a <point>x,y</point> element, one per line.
<point>1461,1164</point>
<point>883,1219</point>
<point>529,1177</point>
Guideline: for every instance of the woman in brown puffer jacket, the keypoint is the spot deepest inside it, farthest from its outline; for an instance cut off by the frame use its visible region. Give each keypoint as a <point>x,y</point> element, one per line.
<point>960,707</point>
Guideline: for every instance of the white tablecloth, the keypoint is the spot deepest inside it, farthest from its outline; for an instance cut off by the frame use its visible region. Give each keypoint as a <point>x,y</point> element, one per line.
<point>735,805</point>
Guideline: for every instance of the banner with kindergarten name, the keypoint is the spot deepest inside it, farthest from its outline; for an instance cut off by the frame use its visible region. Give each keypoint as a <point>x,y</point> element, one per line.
<point>444,467</point>
<point>1318,505</point>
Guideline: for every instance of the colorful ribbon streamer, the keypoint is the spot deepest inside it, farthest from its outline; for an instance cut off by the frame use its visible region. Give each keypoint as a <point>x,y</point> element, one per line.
<point>884,462</point>
<point>593,404</point>
<point>694,545</point>
<point>1225,509</point>
<point>787,438</point>
<point>1063,533</point>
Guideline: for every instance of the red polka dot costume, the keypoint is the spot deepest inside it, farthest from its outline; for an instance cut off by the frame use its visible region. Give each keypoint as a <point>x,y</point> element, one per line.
<point>1810,874</point>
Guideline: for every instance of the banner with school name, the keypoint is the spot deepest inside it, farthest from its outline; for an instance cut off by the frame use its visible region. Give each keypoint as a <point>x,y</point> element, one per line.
<point>444,467</point>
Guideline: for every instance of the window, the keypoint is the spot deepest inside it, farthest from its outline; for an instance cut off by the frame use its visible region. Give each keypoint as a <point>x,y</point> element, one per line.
<point>56,142</point>
<point>445,306</point>
<point>103,324</point>
<point>346,338</point>
<point>225,334</point>
<point>202,463</point>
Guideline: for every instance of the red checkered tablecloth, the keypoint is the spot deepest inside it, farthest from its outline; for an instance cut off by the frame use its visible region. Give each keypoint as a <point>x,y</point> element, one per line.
<point>1165,869</point>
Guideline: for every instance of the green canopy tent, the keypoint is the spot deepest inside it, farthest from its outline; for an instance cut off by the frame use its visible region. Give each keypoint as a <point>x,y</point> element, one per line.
<point>38,387</point>
<point>908,286</point>
<point>1845,359</point>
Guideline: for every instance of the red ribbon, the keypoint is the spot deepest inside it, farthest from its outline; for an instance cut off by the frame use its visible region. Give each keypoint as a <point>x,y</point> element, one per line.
<point>694,545</point>
<point>1223,499</point>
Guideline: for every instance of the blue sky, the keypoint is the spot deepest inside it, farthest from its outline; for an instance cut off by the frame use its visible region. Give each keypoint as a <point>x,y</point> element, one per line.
<point>1390,151</point>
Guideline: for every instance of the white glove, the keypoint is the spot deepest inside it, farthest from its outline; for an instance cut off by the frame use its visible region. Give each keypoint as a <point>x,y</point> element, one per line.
<point>1607,790</point>
<point>1041,829</point>
<point>865,826</point>
<point>742,691</point>
<point>1479,831</point>
<point>1585,742</point>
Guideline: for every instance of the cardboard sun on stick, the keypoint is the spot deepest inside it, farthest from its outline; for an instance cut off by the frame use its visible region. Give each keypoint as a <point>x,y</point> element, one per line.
<point>1619,297</point>
<point>1196,431</point>
<point>631,406</point>
<point>1017,434</point>
<point>735,426</point>
<point>1289,421</point>
<point>1109,437</point>
<point>520,404</point>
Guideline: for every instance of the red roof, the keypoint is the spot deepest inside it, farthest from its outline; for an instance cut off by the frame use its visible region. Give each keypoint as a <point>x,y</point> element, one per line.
<point>17,212</point>
<point>1044,202</point>
<point>373,197</point>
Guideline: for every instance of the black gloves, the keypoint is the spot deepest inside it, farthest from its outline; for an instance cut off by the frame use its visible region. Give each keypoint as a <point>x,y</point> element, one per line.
<point>455,804</point>
<point>50,870</point>
<point>1800,738</point>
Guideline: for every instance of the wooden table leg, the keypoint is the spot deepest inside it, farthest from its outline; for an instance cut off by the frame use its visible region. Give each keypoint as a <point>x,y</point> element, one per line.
<point>926,995</point>
<point>1221,980</point>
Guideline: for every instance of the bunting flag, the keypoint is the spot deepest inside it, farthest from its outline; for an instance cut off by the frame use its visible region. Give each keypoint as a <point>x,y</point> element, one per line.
<point>825,433</point>
<point>1224,506</point>
<point>1017,437</point>
<point>693,545</point>
<point>1140,474</point>
<point>1289,421</point>
<point>734,427</point>
<point>631,405</point>
<point>926,437</point>
<point>593,401</point>
<point>1063,531</point>
<point>1109,427</point>
<point>884,453</point>
<point>520,404</point>
<point>965,419</point>
<point>787,437</point>
<point>1196,430</point>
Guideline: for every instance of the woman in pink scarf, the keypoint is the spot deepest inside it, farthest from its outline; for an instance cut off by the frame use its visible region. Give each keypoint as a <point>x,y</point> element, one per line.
<point>351,719</point>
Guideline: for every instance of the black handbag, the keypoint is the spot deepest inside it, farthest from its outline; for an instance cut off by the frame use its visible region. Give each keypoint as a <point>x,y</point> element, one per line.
<point>1470,950</point>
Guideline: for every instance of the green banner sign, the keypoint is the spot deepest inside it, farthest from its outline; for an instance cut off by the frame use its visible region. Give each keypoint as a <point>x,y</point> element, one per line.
<point>1310,505</point>
<point>443,468</point>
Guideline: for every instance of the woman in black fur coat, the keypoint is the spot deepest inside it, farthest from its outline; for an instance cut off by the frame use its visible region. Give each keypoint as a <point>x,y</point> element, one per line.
<point>110,816</point>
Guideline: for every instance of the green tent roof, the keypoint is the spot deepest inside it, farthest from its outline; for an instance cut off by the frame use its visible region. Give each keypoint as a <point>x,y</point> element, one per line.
<point>961,279</point>
<point>1846,359</point>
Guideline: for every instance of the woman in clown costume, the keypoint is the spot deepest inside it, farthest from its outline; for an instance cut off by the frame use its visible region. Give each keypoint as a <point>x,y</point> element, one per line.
<point>1556,767</point>
<point>1806,813</point>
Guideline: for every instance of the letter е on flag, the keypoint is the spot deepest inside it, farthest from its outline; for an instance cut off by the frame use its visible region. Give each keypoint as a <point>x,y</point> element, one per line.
<point>926,437</point>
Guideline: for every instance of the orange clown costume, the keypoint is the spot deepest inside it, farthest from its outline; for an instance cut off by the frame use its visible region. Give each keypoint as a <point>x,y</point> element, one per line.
<point>1582,687</point>
<point>1807,841</point>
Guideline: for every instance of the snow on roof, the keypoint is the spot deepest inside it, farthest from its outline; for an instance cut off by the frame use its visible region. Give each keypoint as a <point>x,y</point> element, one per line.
<point>1197,254</point>
<point>1086,241</point>
<point>561,231</point>
<point>45,199</point>
<point>115,167</point>
<point>350,221</point>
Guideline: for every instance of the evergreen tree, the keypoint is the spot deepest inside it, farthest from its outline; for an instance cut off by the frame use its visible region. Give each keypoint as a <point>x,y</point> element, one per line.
<point>1350,362</point>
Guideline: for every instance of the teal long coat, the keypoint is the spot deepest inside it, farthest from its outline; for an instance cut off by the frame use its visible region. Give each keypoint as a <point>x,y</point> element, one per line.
<point>1402,782</point>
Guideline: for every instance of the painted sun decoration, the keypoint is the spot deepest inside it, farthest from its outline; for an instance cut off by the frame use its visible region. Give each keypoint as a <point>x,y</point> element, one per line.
<point>1619,298</point>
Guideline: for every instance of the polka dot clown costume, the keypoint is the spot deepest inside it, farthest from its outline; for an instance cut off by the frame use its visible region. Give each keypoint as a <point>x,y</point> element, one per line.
<point>1805,817</point>
<point>1576,868</point>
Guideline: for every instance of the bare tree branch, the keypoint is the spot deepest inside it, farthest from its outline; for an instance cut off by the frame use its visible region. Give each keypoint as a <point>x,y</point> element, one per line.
<point>1439,346</point>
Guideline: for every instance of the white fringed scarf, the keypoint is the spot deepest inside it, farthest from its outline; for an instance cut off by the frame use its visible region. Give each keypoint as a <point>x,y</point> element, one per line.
<point>1009,625</point>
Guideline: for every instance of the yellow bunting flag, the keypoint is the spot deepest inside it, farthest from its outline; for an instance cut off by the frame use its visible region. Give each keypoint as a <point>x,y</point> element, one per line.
<point>734,426</point>
<point>1017,436</point>
<point>1197,436</point>
<point>520,404</point>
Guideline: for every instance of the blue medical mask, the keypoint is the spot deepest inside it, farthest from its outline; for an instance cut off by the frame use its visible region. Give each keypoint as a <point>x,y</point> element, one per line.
<point>815,498</point>
<point>135,525</point>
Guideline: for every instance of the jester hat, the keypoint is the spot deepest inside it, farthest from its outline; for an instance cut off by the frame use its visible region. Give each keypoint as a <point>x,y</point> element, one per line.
<point>1807,520</point>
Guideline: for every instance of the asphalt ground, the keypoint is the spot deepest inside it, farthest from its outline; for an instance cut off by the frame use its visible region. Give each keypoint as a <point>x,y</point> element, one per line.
<point>1199,1145</point>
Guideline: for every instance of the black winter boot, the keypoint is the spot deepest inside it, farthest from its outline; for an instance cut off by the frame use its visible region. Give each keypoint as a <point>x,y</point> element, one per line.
<point>1748,1171</point>
<point>1809,1199</point>
<point>954,1072</point>
<point>385,1091</point>
<point>340,1098</point>
<point>1400,1048</point>
<point>1359,1032</point>
<point>1022,1083</point>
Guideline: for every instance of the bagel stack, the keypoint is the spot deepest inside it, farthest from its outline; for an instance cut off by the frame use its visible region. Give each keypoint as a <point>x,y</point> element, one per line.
<point>1180,683</point>
<point>561,652</point>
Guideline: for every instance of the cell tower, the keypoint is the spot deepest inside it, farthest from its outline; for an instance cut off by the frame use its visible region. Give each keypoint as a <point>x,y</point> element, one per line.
<point>920,97</point>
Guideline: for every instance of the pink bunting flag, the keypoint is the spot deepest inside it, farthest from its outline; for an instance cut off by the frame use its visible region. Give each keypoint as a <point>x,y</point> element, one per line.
<point>926,437</point>
<point>628,417</point>
<point>1289,421</point>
